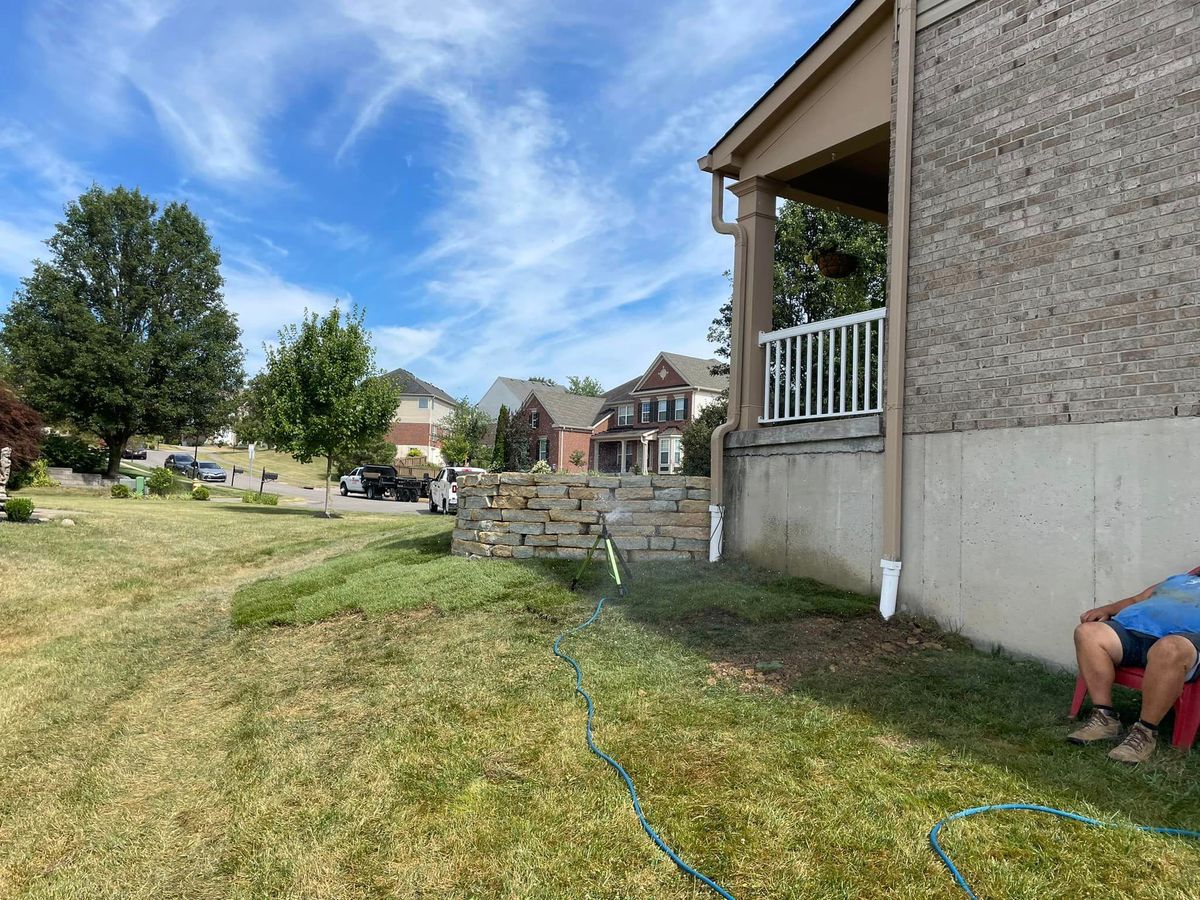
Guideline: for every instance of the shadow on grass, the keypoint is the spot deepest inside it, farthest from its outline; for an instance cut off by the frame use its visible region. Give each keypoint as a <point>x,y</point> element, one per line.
<point>907,677</point>
<point>273,510</point>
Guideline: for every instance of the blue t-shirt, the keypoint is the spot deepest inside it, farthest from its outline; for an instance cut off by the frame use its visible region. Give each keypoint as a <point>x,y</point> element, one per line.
<point>1173,608</point>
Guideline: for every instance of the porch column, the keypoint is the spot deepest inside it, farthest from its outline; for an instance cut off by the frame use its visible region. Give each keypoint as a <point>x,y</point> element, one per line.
<point>756,214</point>
<point>645,457</point>
<point>621,468</point>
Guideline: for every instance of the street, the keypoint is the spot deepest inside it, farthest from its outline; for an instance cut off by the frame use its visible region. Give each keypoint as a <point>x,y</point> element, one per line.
<point>313,498</point>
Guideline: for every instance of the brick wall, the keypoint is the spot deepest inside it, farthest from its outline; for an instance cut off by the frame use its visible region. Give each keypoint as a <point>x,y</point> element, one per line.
<point>1055,240</point>
<point>409,434</point>
<point>522,516</point>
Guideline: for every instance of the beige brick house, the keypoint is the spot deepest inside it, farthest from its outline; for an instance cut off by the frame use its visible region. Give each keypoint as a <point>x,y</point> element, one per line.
<point>419,414</point>
<point>1013,439</point>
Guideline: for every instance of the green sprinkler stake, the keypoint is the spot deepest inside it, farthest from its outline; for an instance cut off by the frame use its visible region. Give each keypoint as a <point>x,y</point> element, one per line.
<point>616,562</point>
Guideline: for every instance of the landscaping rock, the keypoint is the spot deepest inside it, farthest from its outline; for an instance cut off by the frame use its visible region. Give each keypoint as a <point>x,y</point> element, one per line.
<point>552,503</point>
<point>634,493</point>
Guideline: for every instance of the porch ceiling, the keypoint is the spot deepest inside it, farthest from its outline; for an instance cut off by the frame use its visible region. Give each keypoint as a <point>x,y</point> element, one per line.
<point>822,132</point>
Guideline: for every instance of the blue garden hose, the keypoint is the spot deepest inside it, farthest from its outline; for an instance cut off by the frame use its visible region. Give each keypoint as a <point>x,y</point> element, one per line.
<point>933,833</point>
<point>633,795</point>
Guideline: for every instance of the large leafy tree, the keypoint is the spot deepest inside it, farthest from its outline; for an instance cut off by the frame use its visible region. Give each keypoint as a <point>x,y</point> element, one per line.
<point>20,428</point>
<point>518,444</point>
<point>802,293</point>
<point>464,432</point>
<point>320,394</point>
<point>585,386</point>
<point>124,330</point>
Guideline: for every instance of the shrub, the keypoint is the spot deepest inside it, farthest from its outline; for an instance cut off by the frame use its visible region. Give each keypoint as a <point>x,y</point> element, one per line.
<point>19,509</point>
<point>264,499</point>
<point>71,452</point>
<point>120,492</point>
<point>541,467</point>
<point>37,476</point>
<point>160,482</point>
<point>200,492</point>
<point>415,451</point>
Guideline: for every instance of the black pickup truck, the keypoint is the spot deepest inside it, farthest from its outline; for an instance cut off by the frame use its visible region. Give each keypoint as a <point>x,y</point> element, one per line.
<point>380,483</point>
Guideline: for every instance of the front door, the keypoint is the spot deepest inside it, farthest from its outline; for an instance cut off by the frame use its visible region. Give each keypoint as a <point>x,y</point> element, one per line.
<point>608,457</point>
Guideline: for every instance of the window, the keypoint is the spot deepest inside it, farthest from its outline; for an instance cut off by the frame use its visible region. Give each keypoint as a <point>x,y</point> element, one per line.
<point>670,454</point>
<point>646,411</point>
<point>543,447</point>
<point>423,403</point>
<point>533,419</point>
<point>625,415</point>
<point>680,409</point>
<point>662,410</point>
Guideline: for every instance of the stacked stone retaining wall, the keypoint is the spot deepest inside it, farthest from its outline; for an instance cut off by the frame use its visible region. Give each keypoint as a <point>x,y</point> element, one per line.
<point>521,516</point>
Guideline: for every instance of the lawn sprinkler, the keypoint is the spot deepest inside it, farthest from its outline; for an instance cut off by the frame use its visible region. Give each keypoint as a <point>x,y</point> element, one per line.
<point>616,562</point>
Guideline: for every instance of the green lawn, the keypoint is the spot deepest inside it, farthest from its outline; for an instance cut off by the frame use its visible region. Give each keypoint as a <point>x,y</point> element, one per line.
<point>290,471</point>
<point>212,700</point>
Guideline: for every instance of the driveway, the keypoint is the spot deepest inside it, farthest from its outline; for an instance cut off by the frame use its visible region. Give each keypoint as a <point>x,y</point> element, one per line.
<point>314,498</point>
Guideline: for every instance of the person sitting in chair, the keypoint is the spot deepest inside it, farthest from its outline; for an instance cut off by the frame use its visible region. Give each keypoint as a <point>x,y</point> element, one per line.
<point>1158,630</point>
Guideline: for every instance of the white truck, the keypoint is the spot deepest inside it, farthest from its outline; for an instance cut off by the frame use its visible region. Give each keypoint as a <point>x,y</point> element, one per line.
<point>443,490</point>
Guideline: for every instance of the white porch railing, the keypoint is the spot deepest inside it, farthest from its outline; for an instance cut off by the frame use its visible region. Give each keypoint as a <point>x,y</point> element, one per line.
<point>824,369</point>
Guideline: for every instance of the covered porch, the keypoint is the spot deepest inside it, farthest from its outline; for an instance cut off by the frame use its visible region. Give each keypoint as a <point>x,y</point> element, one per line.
<point>621,454</point>
<point>812,444</point>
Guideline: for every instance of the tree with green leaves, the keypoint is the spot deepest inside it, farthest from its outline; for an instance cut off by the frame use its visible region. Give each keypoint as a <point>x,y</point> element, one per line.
<point>124,330</point>
<point>697,437</point>
<point>802,293</point>
<point>500,448</point>
<point>518,444</point>
<point>464,432</point>
<point>587,386</point>
<point>320,394</point>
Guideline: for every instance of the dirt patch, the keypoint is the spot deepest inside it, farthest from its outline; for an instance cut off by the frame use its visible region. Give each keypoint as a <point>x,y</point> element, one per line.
<point>772,657</point>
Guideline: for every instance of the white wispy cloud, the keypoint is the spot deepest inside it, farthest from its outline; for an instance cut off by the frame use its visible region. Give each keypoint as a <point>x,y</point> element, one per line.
<point>399,345</point>
<point>20,244</point>
<point>264,302</point>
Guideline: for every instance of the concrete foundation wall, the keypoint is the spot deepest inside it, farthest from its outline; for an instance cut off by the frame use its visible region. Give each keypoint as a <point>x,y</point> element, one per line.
<point>807,500</point>
<point>1011,533</point>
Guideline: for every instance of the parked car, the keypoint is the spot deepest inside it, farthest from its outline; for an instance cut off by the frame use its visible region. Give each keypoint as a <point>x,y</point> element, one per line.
<point>207,471</point>
<point>379,483</point>
<point>133,453</point>
<point>183,463</point>
<point>443,490</point>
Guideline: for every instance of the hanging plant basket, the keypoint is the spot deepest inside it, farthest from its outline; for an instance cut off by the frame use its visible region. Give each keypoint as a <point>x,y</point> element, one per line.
<point>835,264</point>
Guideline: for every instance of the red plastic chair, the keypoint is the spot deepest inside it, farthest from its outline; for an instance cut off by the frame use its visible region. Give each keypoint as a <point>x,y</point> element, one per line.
<point>1187,707</point>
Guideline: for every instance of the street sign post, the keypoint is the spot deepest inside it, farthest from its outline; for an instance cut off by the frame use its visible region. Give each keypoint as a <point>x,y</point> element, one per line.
<point>250,450</point>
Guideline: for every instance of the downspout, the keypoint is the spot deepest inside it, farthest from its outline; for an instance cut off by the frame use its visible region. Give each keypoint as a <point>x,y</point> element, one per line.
<point>897,315</point>
<point>716,508</point>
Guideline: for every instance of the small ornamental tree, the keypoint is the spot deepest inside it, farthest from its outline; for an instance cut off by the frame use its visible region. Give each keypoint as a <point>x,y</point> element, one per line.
<point>320,394</point>
<point>20,429</point>
<point>577,458</point>
<point>500,448</point>
<point>697,439</point>
<point>463,434</point>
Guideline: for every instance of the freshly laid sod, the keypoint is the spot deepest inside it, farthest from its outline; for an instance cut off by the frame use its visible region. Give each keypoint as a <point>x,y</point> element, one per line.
<point>209,701</point>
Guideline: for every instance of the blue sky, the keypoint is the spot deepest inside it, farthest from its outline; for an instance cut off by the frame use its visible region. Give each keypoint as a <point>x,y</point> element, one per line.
<point>508,187</point>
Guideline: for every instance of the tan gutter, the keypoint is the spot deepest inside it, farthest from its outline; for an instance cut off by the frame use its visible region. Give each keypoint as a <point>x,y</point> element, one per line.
<point>716,507</point>
<point>897,314</point>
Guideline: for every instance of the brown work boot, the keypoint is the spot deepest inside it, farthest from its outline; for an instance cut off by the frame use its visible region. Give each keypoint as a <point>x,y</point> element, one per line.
<point>1137,747</point>
<point>1099,726</point>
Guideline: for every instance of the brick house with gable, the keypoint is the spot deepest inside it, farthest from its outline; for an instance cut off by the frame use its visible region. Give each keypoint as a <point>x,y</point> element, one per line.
<point>416,424</point>
<point>562,424</point>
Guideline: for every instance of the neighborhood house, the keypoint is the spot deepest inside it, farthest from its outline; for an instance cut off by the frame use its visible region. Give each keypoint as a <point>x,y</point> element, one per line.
<point>635,427</point>
<point>419,414</point>
<point>1031,452</point>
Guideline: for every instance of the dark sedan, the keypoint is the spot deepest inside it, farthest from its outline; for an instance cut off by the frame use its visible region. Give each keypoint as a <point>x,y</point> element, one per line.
<point>133,453</point>
<point>182,463</point>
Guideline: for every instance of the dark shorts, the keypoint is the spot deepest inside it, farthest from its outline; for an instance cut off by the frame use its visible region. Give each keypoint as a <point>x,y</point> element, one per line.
<point>1135,646</point>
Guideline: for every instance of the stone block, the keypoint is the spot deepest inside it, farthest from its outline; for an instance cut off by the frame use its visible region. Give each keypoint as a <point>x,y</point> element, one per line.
<point>474,515</point>
<point>699,534</point>
<point>525,528</point>
<point>576,540</point>
<point>647,555</point>
<point>695,544</point>
<point>515,478</point>
<point>503,551</point>
<point>653,518</point>
<point>488,479</point>
<point>670,493</point>
<point>551,490</point>
<point>563,528</point>
<point>470,548</point>
<point>474,502</point>
<point>588,493</point>
<point>580,479</point>
<point>541,540</point>
<point>657,542</point>
<point>519,490</point>
<point>502,538</point>
<point>693,506</point>
<point>634,493</point>
<point>630,542</point>
<point>669,481</point>
<point>552,503</point>
<point>604,481</point>
<point>509,502</point>
<point>522,553</point>
<point>621,530</point>
<point>465,534</point>
<point>699,482</point>
<point>523,515</point>
<point>700,494</point>
<point>559,552</point>
<point>574,515</point>
<point>628,481</point>
<point>598,505</point>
